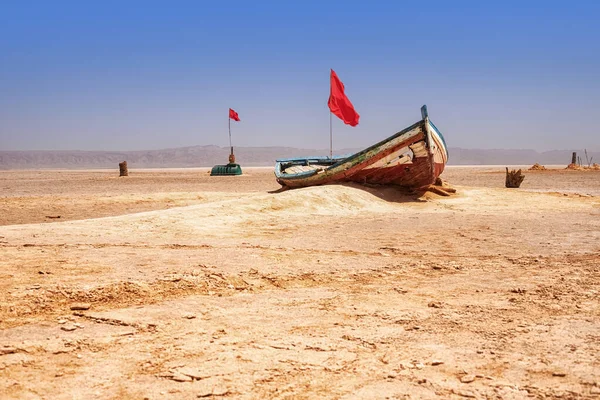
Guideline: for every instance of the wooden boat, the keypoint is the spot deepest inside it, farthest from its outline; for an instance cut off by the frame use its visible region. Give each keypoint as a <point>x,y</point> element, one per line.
<point>412,158</point>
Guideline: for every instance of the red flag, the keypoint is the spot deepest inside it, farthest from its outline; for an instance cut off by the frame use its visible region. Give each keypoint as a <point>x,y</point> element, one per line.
<point>233,115</point>
<point>339,104</point>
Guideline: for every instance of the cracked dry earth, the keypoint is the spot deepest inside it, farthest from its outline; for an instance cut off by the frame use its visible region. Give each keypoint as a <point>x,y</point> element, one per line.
<point>338,292</point>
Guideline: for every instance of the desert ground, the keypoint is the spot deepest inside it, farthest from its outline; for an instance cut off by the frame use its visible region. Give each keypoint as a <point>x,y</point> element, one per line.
<point>171,284</point>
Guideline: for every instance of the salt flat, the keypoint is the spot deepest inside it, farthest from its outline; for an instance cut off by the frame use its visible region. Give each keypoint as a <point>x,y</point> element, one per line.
<point>224,286</point>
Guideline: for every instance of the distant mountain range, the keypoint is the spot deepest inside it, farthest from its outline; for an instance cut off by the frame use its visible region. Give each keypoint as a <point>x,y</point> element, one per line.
<point>207,156</point>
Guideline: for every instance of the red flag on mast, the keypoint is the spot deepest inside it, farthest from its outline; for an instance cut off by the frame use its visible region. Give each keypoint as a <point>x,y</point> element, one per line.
<point>233,115</point>
<point>339,104</point>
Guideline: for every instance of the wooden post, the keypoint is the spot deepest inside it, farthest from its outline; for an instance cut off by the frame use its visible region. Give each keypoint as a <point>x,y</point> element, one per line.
<point>514,178</point>
<point>574,158</point>
<point>123,169</point>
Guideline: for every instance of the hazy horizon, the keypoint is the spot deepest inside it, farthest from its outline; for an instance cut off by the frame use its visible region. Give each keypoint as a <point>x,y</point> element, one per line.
<point>149,76</point>
<point>578,150</point>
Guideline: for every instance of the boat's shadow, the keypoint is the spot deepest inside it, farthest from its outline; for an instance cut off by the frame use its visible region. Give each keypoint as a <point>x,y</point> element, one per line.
<point>391,193</point>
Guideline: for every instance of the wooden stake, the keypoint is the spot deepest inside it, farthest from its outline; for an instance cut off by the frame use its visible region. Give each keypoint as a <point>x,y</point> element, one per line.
<point>123,169</point>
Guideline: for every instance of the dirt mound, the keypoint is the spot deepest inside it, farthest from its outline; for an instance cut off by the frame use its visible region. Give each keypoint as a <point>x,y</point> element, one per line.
<point>574,167</point>
<point>537,167</point>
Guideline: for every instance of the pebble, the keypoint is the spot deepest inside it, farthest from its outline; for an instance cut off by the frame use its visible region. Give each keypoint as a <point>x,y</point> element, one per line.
<point>467,378</point>
<point>189,316</point>
<point>559,373</point>
<point>68,328</point>
<point>436,362</point>
<point>435,304</point>
<point>80,306</point>
<point>62,321</point>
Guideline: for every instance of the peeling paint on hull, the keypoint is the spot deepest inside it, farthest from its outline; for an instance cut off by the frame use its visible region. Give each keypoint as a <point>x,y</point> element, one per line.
<point>384,163</point>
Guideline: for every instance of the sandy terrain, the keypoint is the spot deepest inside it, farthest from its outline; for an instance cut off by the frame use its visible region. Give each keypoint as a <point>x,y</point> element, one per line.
<point>199,287</point>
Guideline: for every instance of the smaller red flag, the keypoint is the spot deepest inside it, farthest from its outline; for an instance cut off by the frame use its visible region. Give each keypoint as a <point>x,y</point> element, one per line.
<point>233,115</point>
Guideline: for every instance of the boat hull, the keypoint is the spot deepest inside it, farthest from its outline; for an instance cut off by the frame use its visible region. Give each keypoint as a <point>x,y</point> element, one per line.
<point>412,158</point>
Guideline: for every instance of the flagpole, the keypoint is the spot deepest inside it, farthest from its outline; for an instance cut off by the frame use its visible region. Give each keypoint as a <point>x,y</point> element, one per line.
<point>330,138</point>
<point>230,146</point>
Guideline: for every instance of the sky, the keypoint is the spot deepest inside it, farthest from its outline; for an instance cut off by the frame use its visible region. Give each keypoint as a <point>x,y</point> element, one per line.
<point>142,75</point>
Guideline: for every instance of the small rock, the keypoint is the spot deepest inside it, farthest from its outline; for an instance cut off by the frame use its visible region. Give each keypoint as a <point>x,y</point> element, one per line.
<point>436,362</point>
<point>559,373</point>
<point>181,378</point>
<point>68,328</point>
<point>62,321</point>
<point>189,316</point>
<point>80,306</point>
<point>422,381</point>
<point>467,378</point>
<point>434,304</point>
<point>7,350</point>
<point>595,390</point>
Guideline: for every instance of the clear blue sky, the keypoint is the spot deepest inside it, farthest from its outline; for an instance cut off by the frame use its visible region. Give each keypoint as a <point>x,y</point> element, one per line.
<point>127,75</point>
